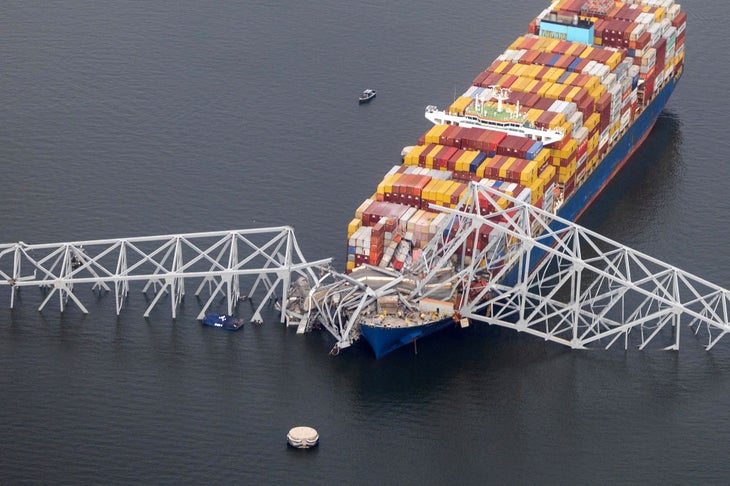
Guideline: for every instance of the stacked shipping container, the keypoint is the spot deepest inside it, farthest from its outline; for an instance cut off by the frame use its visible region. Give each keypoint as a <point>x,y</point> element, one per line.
<point>590,92</point>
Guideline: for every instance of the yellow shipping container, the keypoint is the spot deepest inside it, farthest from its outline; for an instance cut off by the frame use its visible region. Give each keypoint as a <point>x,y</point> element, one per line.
<point>555,91</point>
<point>572,94</point>
<point>443,191</point>
<point>574,46</point>
<point>481,168</point>
<point>614,127</point>
<point>350,265</point>
<point>533,114</point>
<point>362,207</point>
<point>548,173</point>
<point>567,127</point>
<point>515,45</point>
<point>544,88</point>
<point>551,45</point>
<point>434,134</point>
<point>387,184</point>
<point>458,106</point>
<point>554,74</point>
<point>531,86</point>
<point>505,166</point>
<point>566,173</point>
<point>592,83</point>
<point>520,85</point>
<point>429,157</point>
<point>557,121</point>
<point>450,193</point>
<point>586,52</point>
<point>514,69</point>
<point>593,142</point>
<point>353,226</point>
<point>529,173</point>
<point>614,60</point>
<point>567,151</point>
<point>504,65</point>
<point>592,121</point>
<point>533,71</point>
<point>537,189</point>
<point>659,14</point>
<point>503,80</point>
<point>411,157</point>
<point>598,41</point>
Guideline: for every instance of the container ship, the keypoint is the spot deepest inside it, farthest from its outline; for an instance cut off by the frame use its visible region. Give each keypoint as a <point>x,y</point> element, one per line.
<point>550,121</point>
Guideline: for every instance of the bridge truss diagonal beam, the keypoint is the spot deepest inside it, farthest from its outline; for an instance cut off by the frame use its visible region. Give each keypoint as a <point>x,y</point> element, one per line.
<point>218,261</point>
<point>568,284</point>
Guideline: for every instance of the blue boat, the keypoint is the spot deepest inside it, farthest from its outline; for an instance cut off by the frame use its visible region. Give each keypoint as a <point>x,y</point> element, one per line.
<point>222,321</point>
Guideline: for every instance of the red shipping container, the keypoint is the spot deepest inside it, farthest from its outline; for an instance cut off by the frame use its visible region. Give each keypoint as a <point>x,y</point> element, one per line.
<point>529,57</point>
<point>447,137</point>
<point>643,40</point>
<point>661,53</point>
<point>569,186</point>
<point>509,81</point>
<point>544,104</point>
<point>514,171</point>
<point>531,100</point>
<point>479,79</point>
<point>679,21</point>
<point>564,62</point>
<point>562,47</point>
<point>451,163</point>
<point>544,58</point>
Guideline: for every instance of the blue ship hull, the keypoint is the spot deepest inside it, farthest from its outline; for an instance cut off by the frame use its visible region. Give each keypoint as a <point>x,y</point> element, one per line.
<point>385,340</point>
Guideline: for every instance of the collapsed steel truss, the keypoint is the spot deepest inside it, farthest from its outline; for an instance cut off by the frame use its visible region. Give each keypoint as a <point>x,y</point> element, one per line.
<point>575,287</point>
<point>221,261</point>
<point>535,273</point>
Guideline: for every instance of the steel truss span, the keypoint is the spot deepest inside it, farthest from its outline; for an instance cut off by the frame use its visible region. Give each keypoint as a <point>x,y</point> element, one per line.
<point>531,271</point>
<point>220,263</point>
<point>575,287</point>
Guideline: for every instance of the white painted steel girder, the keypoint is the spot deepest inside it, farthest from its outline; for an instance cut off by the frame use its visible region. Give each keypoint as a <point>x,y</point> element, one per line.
<point>217,260</point>
<point>568,284</point>
<point>539,274</point>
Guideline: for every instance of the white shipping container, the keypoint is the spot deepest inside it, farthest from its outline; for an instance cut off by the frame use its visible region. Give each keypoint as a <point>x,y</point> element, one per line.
<point>588,67</point>
<point>610,79</point>
<point>625,119</point>
<point>577,120</point>
<point>637,32</point>
<point>655,31</point>
<point>659,79</point>
<point>673,11</point>
<point>645,18</point>
<point>581,134</point>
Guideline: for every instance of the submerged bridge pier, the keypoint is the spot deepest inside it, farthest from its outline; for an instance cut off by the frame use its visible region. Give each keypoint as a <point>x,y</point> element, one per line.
<point>218,262</point>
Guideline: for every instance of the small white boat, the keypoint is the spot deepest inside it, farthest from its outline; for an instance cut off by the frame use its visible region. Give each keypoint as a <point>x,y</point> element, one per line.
<point>366,96</point>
